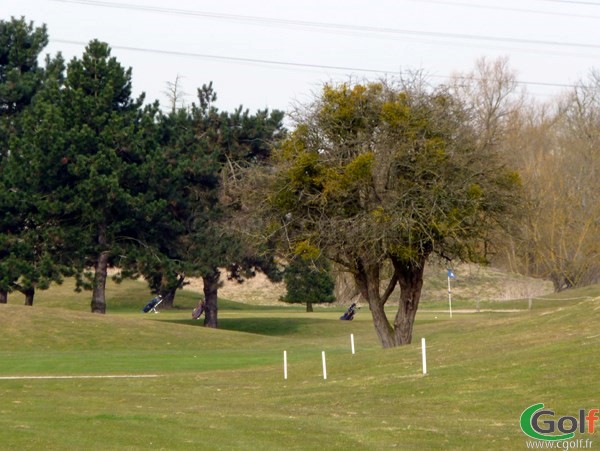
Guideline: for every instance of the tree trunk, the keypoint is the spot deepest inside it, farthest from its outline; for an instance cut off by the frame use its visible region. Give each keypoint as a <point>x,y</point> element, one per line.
<point>29,294</point>
<point>99,289</point>
<point>168,297</point>
<point>211,287</point>
<point>410,279</point>
<point>168,291</point>
<point>309,306</point>
<point>367,281</point>
<point>382,325</point>
<point>3,297</point>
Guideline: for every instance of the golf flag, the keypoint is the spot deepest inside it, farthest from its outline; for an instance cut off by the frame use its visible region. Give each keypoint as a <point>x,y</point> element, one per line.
<point>450,276</point>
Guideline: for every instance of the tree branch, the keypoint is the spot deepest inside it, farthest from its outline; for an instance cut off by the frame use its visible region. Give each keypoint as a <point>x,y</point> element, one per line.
<point>390,288</point>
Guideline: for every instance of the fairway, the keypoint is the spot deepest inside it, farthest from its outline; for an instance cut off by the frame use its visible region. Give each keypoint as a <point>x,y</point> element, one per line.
<point>125,380</point>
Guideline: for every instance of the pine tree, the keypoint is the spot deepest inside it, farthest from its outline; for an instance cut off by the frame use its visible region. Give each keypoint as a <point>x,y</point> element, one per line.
<point>94,152</point>
<point>21,247</point>
<point>202,148</point>
<point>21,44</point>
<point>308,281</point>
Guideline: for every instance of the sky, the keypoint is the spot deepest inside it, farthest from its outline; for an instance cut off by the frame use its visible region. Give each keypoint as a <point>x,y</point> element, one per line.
<point>274,54</point>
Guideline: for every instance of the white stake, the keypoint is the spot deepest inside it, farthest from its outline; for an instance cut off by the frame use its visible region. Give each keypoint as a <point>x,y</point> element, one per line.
<point>324,365</point>
<point>449,297</point>
<point>285,365</point>
<point>352,342</point>
<point>424,352</point>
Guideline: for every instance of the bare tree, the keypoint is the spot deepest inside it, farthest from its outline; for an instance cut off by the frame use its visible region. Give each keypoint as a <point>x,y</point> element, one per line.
<point>558,151</point>
<point>572,178</point>
<point>175,94</point>
<point>493,98</point>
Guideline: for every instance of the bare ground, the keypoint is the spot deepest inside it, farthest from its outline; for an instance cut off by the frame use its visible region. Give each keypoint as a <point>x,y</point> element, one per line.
<point>256,290</point>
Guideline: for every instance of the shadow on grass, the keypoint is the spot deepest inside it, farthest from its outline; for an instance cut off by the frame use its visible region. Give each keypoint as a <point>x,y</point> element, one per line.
<point>281,326</point>
<point>267,326</point>
<point>273,327</point>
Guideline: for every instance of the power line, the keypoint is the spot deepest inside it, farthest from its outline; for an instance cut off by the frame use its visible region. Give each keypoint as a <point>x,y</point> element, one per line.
<point>291,64</point>
<point>232,58</point>
<point>507,8</point>
<point>575,2</point>
<point>334,26</point>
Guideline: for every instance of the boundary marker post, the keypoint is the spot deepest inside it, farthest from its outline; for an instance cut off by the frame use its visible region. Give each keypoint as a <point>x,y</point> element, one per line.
<point>424,352</point>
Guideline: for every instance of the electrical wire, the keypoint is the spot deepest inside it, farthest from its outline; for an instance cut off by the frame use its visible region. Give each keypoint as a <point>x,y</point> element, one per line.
<point>290,64</point>
<point>336,26</point>
<point>507,8</point>
<point>576,2</point>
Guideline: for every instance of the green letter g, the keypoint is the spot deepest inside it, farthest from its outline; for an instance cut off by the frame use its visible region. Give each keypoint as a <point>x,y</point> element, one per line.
<point>528,429</point>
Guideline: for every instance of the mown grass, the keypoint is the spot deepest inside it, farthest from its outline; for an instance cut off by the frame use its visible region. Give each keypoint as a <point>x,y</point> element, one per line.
<point>224,389</point>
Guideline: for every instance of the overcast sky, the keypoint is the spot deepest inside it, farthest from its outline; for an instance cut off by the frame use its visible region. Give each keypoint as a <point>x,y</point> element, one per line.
<point>270,53</point>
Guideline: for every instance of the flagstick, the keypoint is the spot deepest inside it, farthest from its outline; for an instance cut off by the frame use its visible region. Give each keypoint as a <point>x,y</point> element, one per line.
<point>449,296</point>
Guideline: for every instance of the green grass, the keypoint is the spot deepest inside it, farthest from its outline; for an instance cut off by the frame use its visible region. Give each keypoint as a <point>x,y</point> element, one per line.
<point>224,389</point>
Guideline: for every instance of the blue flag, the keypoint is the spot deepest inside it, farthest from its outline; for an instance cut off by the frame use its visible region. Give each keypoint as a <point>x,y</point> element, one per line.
<point>451,274</point>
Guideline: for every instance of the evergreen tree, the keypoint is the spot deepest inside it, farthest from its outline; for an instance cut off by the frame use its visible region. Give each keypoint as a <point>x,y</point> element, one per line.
<point>93,150</point>
<point>189,175</point>
<point>308,282</point>
<point>239,140</point>
<point>21,248</point>
<point>21,44</point>
<point>202,148</point>
<point>43,251</point>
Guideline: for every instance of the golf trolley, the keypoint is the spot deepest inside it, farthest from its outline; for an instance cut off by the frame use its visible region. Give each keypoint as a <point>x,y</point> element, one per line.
<point>151,306</point>
<point>349,314</point>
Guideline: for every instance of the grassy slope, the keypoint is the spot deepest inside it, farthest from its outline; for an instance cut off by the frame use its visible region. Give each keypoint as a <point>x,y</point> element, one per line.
<point>224,389</point>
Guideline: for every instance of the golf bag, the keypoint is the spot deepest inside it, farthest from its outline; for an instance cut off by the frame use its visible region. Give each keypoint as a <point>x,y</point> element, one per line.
<point>151,306</point>
<point>349,315</point>
<point>199,310</point>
